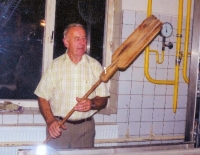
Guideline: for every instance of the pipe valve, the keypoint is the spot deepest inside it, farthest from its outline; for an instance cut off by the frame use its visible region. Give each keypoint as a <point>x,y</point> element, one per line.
<point>169,45</point>
<point>179,58</point>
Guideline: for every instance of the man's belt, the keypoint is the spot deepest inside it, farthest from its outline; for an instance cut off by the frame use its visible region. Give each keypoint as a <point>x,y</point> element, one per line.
<point>75,122</point>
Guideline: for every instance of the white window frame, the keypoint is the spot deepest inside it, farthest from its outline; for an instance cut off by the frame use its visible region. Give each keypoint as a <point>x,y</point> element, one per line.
<point>48,42</point>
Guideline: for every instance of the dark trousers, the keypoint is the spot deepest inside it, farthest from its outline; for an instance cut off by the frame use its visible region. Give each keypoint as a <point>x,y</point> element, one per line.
<point>76,136</point>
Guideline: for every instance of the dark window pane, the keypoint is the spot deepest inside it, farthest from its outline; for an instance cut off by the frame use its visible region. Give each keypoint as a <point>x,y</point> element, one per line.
<point>20,47</point>
<point>91,14</point>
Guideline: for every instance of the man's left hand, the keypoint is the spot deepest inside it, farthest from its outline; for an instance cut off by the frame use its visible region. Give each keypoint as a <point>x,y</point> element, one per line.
<point>83,105</point>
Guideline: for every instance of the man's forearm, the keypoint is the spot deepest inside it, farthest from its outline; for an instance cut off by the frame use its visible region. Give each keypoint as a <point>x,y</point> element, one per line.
<point>45,110</point>
<point>99,102</point>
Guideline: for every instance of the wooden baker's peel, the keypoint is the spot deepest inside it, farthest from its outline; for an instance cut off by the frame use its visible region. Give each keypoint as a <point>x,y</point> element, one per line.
<point>122,58</point>
<point>133,46</point>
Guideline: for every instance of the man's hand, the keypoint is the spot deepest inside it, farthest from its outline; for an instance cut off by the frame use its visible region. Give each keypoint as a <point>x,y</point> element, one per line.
<point>83,105</point>
<point>54,130</point>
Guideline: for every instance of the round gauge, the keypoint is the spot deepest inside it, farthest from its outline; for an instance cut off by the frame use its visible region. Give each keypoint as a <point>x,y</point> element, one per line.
<point>167,30</point>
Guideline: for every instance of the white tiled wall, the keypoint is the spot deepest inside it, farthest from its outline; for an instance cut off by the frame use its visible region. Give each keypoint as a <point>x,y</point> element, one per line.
<point>144,107</point>
<point>29,116</point>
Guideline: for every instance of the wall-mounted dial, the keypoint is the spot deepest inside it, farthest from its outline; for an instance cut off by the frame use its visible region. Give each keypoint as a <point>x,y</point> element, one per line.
<point>167,30</point>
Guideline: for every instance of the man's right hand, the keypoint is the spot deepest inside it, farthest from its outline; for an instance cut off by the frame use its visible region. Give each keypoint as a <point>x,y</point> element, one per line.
<point>54,130</point>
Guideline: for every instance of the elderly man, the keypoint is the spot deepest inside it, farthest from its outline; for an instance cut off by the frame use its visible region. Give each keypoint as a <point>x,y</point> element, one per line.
<point>63,84</point>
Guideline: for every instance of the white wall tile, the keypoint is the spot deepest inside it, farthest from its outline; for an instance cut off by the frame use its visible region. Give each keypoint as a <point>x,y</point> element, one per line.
<point>183,89</point>
<point>169,115</point>
<point>136,101</point>
<point>110,118</point>
<point>171,61</point>
<point>146,128</point>
<point>184,23</point>
<point>127,30</point>
<point>122,115</point>
<point>180,115</point>
<point>168,128</point>
<point>147,101</point>
<point>124,101</point>
<point>98,118</point>
<point>139,62</point>
<point>165,18</point>
<point>10,118</point>
<point>38,118</point>
<point>124,87</point>
<point>154,46</point>
<point>158,114</point>
<point>157,128</point>
<point>25,118</point>
<point>138,74</point>
<point>169,102</point>
<point>156,39</point>
<point>146,115</point>
<point>173,38</point>
<point>174,22</point>
<point>170,90</point>
<point>149,88</point>
<point>160,89</point>
<point>137,87</point>
<point>135,115</point>
<point>179,127</point>
<point>123,129</point>
<point>170,74</point>
<point>134,128</point>
<point>126,75</point>
<point>161,74</point>
<point>152,60</point>
<point>128,17</point>
<point>159,102</point>
<point>182,101</point>
<point>140,17</point>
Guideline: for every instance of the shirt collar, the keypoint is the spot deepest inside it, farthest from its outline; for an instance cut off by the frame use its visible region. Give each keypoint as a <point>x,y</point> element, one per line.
<point>84,58</point>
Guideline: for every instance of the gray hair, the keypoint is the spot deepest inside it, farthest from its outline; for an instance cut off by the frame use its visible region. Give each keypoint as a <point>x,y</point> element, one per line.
<point>66,30</point>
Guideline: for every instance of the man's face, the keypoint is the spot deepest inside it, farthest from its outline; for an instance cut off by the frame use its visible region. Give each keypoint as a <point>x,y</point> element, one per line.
<point>76,41</point>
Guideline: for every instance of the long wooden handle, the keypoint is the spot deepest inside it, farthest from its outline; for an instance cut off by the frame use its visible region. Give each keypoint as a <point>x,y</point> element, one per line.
<point>72,110</point>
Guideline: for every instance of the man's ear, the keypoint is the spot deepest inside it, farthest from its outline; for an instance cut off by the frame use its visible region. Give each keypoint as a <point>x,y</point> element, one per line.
<point>66,43</point>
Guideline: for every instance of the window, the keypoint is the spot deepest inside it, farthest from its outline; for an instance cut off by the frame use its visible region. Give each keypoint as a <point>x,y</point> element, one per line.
<point>89,13</point>
<point>26,47</point>
<point>21,45</point>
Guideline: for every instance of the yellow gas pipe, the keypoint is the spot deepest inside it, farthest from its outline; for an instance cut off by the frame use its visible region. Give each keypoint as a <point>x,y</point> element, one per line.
<point>178,53</point>
<point>174,82</point>
<point>147,51</point>
<point>187,36</point>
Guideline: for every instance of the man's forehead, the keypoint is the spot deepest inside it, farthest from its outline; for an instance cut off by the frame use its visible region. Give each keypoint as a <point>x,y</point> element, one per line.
<point>75,29</point>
